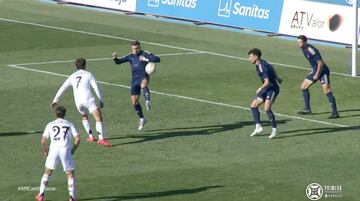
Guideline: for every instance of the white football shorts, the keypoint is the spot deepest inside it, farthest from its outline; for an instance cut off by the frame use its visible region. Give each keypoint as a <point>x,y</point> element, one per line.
<point>86,107</point>
<point>63,155</point>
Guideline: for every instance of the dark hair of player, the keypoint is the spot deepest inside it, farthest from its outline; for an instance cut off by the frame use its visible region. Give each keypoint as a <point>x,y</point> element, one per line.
<point>135,43</point>
<point>80,63</point>
<point>256,52</point>
<point>302,37</point>
<point>60,111</point>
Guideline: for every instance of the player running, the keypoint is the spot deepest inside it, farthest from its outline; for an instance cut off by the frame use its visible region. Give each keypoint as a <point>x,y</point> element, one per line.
<point>140,79</point>
<point>61,149</point>
<point>267,92</point>
<point>320,72</point>
<point>82,81</point>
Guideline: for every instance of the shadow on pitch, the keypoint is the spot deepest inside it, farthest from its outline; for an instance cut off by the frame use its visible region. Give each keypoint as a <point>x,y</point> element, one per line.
<point>342,113</point>
<point>314,131</point>
<point>16,133</point>
<point>130,196</point>
<point>160,134</point>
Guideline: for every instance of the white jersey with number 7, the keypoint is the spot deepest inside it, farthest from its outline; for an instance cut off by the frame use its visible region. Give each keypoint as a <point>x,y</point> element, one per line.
<point>81,81</point>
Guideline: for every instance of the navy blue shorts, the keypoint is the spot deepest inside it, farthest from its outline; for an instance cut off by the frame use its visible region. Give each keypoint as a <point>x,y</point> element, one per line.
<point>269,94</point>
<point>136,85</point>
<point>324,77</point>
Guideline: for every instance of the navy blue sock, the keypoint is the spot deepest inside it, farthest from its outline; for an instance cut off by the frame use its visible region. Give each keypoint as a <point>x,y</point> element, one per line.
<point>256,114</point>
<point>139,110</point>
<point>271,118</point>
<point>306,95</point>
<point>146,93</point>
<point>332,101</point>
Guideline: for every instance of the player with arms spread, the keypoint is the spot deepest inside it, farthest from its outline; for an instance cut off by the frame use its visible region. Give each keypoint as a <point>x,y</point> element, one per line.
<point>140,79</point>
<point>82,81</point>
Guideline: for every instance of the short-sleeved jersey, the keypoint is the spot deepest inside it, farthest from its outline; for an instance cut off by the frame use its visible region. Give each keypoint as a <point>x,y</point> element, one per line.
<point>313,55</point>
<point>81,81</point>
<point>137,66</point>
<point>266,70</point>
<point>61,132</point>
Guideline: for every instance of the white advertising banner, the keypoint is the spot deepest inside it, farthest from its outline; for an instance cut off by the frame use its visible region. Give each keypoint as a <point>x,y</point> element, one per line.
<point>321,21</point>
<point>125,5</point>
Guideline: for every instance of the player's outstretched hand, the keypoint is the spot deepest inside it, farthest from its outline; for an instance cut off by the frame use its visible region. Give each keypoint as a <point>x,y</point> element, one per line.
<point>53,105</point>
<point>114,55</point>
<point>102,104</point>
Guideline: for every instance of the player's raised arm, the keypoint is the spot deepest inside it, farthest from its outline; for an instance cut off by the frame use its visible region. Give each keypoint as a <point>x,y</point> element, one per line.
<point>120,60</point>
<point>149,57</point>
<point>153,58</point>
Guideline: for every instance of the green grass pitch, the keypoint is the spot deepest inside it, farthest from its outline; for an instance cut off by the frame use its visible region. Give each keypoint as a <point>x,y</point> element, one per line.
<point>196,145</point>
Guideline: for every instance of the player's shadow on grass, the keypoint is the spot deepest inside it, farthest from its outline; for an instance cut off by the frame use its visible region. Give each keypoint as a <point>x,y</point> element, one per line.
<point>131,196</point>
<point>160,134</point>
<point>314,131</point>
<point>343,113</point>
<point>16,133</point>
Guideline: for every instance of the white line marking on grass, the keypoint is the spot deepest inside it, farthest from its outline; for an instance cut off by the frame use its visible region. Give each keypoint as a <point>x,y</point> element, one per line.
<point>185,97</point>
<point>105,58</point>
<point>157,44</point>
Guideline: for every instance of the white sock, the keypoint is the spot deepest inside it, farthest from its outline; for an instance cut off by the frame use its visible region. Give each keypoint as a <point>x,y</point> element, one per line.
<point>258,126</point>
<point>71,186</point>
<point>43,183</point>
<point>100,130</point>
<point>87,127</point>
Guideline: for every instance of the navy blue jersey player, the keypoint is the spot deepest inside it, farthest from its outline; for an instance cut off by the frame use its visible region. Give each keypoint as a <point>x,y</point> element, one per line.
<point>320,72</point>
<point>266,93</point>
<point>140,79</point>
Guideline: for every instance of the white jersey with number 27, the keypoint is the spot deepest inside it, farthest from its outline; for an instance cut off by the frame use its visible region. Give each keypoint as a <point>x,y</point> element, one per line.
<point>61,133</point>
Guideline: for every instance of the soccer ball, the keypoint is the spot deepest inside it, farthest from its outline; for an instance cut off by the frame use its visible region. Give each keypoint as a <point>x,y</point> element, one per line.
<point>150,68</point>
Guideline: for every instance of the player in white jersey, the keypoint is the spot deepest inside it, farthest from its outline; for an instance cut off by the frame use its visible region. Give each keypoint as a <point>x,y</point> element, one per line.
<point>82,81</point>
<point>61,149</point>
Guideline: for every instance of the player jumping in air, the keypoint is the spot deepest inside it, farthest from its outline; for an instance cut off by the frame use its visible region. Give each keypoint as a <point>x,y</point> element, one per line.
<point>140,79</point>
